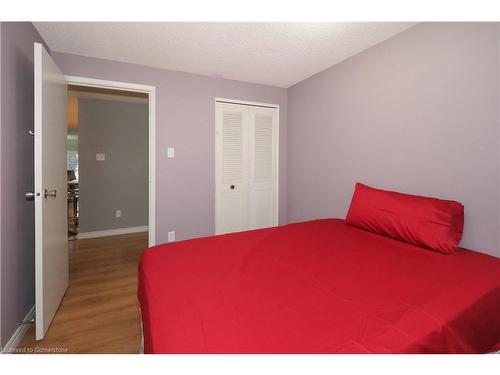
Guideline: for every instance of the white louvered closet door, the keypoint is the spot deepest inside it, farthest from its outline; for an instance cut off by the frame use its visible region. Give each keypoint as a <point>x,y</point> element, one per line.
<point>263,141</point>
<point>246,167</point>
<point>231,171</point>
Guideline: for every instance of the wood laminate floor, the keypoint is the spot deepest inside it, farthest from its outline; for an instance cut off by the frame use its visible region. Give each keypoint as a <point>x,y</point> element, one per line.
<point>100,311</point>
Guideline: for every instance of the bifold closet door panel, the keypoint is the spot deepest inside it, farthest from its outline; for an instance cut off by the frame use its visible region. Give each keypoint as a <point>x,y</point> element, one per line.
<point>263,172</point>
<point>231,170</point>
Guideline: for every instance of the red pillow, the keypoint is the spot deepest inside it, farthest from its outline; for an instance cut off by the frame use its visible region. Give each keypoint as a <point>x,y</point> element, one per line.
<point>427,222</point>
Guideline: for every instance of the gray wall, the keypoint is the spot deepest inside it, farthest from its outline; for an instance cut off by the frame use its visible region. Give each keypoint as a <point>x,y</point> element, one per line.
<point>16,174</point>
<point>418,113</point>
<point>120,131</point>
<point>185,119</point>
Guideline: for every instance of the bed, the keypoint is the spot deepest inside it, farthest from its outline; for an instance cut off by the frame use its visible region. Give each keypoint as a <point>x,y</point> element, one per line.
<point>319,286</point>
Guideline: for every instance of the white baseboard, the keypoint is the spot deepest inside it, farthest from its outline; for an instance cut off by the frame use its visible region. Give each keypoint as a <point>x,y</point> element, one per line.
<point>18,335</point>
<point>111,232</point>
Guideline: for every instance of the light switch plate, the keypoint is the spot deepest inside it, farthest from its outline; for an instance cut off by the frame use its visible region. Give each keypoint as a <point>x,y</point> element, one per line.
<point>170,152</point>
<point>100,157</point>
<point>171,236</point>
<point>118,213</point>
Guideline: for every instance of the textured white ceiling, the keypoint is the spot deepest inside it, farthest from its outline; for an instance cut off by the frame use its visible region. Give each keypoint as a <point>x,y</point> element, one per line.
<point>277,54</point>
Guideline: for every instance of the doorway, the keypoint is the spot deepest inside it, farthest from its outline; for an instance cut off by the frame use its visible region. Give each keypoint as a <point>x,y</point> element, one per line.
<point>107,160</point>
<point>123,89</point>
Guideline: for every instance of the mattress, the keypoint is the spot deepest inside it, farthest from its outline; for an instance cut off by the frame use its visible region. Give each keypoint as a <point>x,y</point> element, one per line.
<point>316,287</point>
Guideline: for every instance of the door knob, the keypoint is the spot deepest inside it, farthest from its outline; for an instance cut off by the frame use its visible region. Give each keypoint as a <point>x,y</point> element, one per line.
<point>49,193</point>
<point>231,187</point>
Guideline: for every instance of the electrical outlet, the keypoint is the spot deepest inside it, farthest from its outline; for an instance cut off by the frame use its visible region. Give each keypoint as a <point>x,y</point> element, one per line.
<point>118,213</point>
<point>171,236</point>
<point>100,157</point>
<point>170,152</point>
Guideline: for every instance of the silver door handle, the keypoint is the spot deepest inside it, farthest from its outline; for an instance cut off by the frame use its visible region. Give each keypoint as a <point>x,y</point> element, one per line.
<point>30,195</point>
<point>49,193</point>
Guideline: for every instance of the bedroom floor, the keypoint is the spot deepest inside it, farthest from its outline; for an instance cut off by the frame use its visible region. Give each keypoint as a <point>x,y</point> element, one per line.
<point>99,313</point>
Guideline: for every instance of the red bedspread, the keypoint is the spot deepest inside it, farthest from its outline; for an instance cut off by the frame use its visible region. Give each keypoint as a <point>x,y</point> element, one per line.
<point>316,287</point>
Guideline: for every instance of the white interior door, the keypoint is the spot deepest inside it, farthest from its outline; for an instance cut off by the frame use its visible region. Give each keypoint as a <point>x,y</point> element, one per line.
<point>246,168</point>
<point>51,228</point>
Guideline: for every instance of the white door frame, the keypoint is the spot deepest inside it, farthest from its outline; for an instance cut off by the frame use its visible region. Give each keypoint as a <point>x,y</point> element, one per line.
<point>257,104</point>
<point>151,91</point>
